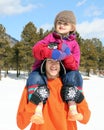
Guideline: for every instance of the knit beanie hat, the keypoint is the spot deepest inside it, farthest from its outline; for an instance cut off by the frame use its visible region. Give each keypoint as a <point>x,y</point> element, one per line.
<point>65,16</point>
<point>43,70</point>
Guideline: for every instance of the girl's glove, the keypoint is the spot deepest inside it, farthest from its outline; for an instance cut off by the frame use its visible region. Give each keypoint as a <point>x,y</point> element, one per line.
<point>58,55</point>
<point>59,52</point>
<point>64,48</point>
<point>71,93</point>
<point>40,94</point>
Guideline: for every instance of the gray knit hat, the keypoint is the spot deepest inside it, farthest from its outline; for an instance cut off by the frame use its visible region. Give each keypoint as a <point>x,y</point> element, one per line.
<point>65,16</point>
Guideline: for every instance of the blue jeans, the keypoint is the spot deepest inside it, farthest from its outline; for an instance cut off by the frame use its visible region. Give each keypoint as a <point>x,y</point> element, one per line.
<point>35,78</point>
<point>73,77</point>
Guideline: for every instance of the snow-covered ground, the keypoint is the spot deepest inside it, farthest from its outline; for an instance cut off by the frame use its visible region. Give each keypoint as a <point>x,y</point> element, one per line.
<point>10,93</point>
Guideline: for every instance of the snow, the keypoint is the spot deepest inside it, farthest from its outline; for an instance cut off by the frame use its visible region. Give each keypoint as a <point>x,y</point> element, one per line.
<point>11,90</point>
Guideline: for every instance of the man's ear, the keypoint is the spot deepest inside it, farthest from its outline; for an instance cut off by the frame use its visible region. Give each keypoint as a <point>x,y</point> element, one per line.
<point>62,69</point>
<point>43,67</point>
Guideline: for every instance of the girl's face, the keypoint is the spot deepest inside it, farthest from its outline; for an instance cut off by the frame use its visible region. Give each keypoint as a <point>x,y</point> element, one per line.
<point>64,28</point>
<point>52,68</point>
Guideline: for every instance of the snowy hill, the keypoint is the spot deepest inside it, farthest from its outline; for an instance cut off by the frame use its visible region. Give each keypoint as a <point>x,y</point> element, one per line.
<point>10,93</point>
<point>11,40</point>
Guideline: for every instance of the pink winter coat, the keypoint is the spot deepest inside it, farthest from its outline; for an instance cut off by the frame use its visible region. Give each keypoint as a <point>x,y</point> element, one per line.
<point>41,50</point>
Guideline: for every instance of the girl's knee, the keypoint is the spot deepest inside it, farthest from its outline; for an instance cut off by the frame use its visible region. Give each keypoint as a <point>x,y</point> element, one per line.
<point>73,77</point>
<point>34,78</point>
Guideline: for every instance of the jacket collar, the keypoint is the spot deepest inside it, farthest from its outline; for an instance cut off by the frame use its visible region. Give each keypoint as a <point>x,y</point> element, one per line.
<point>69,37</point>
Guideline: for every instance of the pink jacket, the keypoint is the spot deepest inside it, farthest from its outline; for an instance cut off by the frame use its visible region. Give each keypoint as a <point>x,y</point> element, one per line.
<point>41,50</point>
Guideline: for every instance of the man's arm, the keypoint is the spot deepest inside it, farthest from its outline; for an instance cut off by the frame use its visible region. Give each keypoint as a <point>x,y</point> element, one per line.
<point>83,108</point>
<point>25,111</point>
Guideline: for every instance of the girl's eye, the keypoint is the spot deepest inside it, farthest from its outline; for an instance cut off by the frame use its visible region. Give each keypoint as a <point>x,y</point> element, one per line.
<point>65,23</point>
<point>62,23</point>
<point>59,23</point>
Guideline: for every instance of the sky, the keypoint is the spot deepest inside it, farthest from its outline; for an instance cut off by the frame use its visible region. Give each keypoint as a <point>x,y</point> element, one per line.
<point>11,89</point>
<point>14,15</point>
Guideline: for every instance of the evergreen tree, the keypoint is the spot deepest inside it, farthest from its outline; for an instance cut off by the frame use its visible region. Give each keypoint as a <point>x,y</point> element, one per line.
<point>100,51</point>
<point>29,37</point>
<point>89,55</point>
<point>4,46</point>
<point>29,34</point>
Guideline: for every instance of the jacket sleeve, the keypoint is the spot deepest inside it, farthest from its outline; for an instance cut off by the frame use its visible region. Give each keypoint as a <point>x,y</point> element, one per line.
<point>84,109</point>
<point>25,111</point>
<point>40,50</point>
<point>72,61</point>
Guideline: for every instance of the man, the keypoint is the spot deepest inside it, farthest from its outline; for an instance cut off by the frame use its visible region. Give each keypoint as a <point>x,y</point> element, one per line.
<point>55,111</point>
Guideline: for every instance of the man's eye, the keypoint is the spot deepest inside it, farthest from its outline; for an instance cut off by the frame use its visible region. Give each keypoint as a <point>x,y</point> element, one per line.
<point>48,60</point>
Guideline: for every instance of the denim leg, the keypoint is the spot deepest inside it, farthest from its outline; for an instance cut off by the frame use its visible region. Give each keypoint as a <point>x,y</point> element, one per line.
<point>73,77</point>
<point>35,78</point>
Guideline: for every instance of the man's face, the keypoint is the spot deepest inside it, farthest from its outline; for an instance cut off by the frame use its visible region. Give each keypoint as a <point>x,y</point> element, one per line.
<point>52,68</point>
